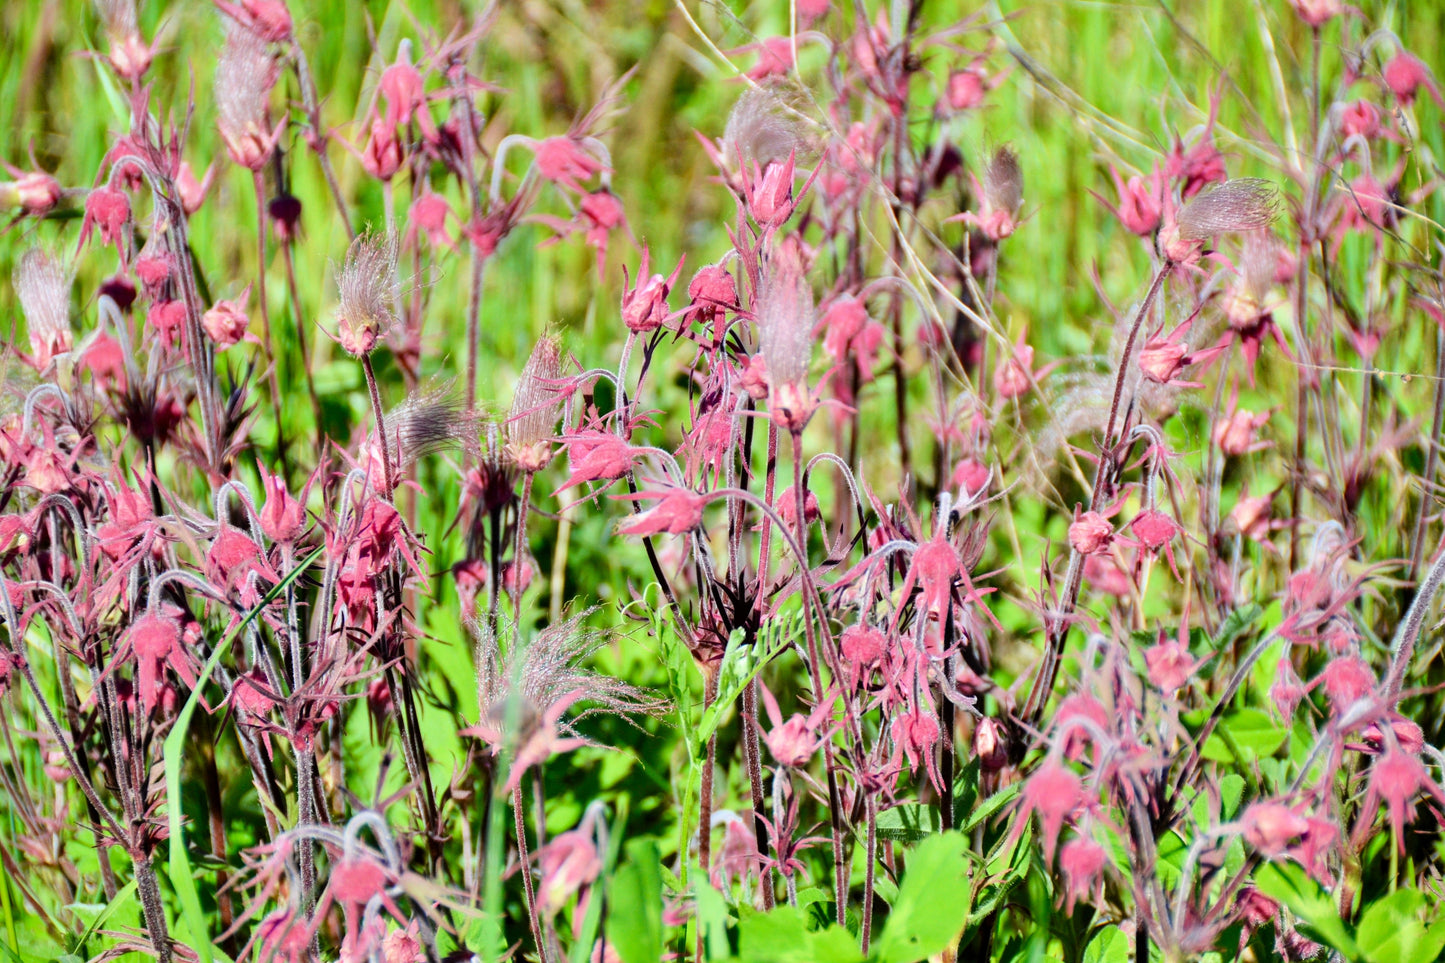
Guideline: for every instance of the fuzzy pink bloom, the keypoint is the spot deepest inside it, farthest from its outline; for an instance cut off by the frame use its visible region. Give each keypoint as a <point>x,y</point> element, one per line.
<point>795,741</point>
<point>226,321</point>
<point>1250,516</point>
<point>1317,13</point>
<point>282,517</point>
<point>268,19</point>
<point>848,332</point>
<point>1235,433</point>
<point>429,213</point>
<point>1270,827</point>
<point>568,863</point>
<point>644,304</point>
<point>738,856</point>
<point>915,734</point>
<point>368,289</point>
<point>108,210</point>
<point>42,285</point>
<point>156,642</point>
<point>1347,680</point>
<point>383,153</point>
<point>863,648</point>
<point>596,456</point>
<point>966,88</point>
<point>245,74</point>
<point>990,744</point>
<point>1140,206</point>
<point>768,192</point>
<point>1360,118</point>
<point>1091,533</point>
<point>1082,862</point>
<point>1154,531</point>
<point>1170,664</point>
<point>1396,778</point>
<point>36,193</point>
<point>1405,74</point>
<point>1081,718</point>
<point>564,161</point>
<point>785,319</point>
<point>713,293</point>
<point>1054,792</point>
<point>536,406</point>
<point>677,512</point>
<point>971,477</point>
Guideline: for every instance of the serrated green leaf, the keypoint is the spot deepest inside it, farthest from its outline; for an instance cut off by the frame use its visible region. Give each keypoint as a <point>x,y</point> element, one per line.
<point>908,823</point>
<point>634,921</point>
<point>1319,919</point>
<point>1253,732</point>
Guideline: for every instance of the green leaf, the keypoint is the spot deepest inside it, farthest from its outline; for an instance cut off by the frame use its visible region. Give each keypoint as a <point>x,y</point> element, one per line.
<point>712,919</point>
<point>782,936</point>
<point>1234,624</point>
<point>1320,919</point>
<point>1254,733</point>
<point>634,920</point>
<point>932,905</point>
<point>1109,945</point>
<point>908,823</point>
<point>179,865</point>
<point>1231,791</point>
<point>990,806</point>
<point>1394,930</point>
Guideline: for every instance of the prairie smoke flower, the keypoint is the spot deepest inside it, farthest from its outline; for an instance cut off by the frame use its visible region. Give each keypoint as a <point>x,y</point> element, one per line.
<point>1140,203</point>
<point>1317,13</point>
<point>712,292</point>
<point>1000,195</point>
<point>1359,119</point>
<point>1405,74</point>
<point>738,855</point>
<point>155,642</point>
<point>848,332</point>
<point>990,744</point>
<point>282,517</point>
<point>525,694</point>
<point>565,161</point>
<point>1054,792</point>
<point>1169,661</point>
<point>42,285</point>
<point>536,406</point>
<point>35,192</point>
<point>596,456</point>
<point>1090,533</point>
<point>368,288</point>
<point>430,420</point>
<point>130,56</point>
<point>245,74</point>
<point>762,129</point>
<point>226,321</point>
<point>107,209</point>
<point>1242,204</point>
<point>863,648</point>
<point>1082,861</point>
<point>785,318</point>
<point>644,304</point>
<point>677,512</point>
<point>568,863</point>
<point>1270,827</point>
<point>795,741</point>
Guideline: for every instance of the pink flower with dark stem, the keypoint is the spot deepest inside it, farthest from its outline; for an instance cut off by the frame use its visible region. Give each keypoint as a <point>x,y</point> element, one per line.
<point>1155,530</point>
<point>1163,357</point>
<point>1347,679</point>
<point>644,304</point>
<point>596,456</point>
<point>155,642</point>
<point>1405,74</point>
<point>35,192</point>
<point>1082,862</point>
<point>565,161</point>
<point>226,321</point>
<point>677,512</point>
<point>568,863</point>
<point>1090,533</point>
<point>1055,793</point>
<point>1140,204</point>
<point>1360,118</point>
<point>268,19</point>
<point>404,92</point>
<point>1270,827</point>
<point>108,210</point>
<point>794,742</point>
<point>601,214</point>
<point>1170,662</point>
<point>915,734</point>
<point>429,214</point>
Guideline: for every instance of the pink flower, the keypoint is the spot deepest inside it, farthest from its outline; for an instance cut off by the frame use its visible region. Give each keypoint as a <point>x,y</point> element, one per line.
<point>863,648</point>
<point>36,192</point>
<point>1396,778</point>
<point>1054,792</point>
<point>794,742</point>
<point>1090,533</point>
<point>268,19</point>
<point>108,210</point>
<point>226,321</point>
<point>1347,680</point>
<point>1170,664</point>
<point>677,512</point>
<point>1360,118</point>
<point>156,642</point>
<point>1405,74</point>
<point>568,863</point>
<point>915,734</point>
<point>564,161</point>
<point>1082,861</point>
<point>282,517</point>
<point>1140,205</point>
<point>1270,826</point>
<point>1155,530</point>
<point>1317,13</point>
<point>644,305</point>
<point>713,293</point>
<point>596,456</point>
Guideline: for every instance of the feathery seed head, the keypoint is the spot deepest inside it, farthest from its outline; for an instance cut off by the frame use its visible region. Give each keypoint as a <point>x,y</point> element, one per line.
<point>368,293</point>
<point>43,286</point>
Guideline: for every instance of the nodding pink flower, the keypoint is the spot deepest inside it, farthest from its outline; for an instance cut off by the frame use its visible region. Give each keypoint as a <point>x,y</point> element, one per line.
<point>602,214</point>
<point>1317,13</point>
<point>848,332</point>
<point>596,456</point>
<point>775,57</point>
<point>1347,680</point>
<point>1163,356</point>
<point>566,162</point>
<point>267,19</point>
<point>915,734</point>
<point>677,512</point>
<point>107,209</point>
<point>429,214</point>
<point>368,291</point>
<point>713,293</point>
<point>1169,661</point>
<point>383,154</point>
<point>768,192</point>
<point>1271,826</point>
<point>1288,691</point>
<point>1015,375</point>
<point>1200,165</point>
<point>42,285</point>
<point>863,648</point>
<point>1054,792</point>
<point>1090,533</point>
<point>1405,74</point>
<point>644,305</point>
<point>568,863</point>
<point>283,518</point>
<point>1360,118</point>
<point>794,742</point>
<point>738,855</point>
<point>1235,434</point>
<point>226,321</point>
<point>1140,201</point>
<point>168,318</point>
<point>34,192</point>
<point>402,88</point>
<point>1155,530</point>
<point>1105,575</point>
<point>1366,208</point>
<point>130,56</point>
<point>990,744</point>
<point>971,477</point>
<point>786,504</point>
<point>403,945</point>
<point>245,74</point>
<point>156,642</point>
<point>1082,862</point>
<point>283,937</point>
<point>1092,719</point>
<point>1250,516</point>
<point>967,87</point>
<point>1407,735</point>
<point>1396,778</point>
